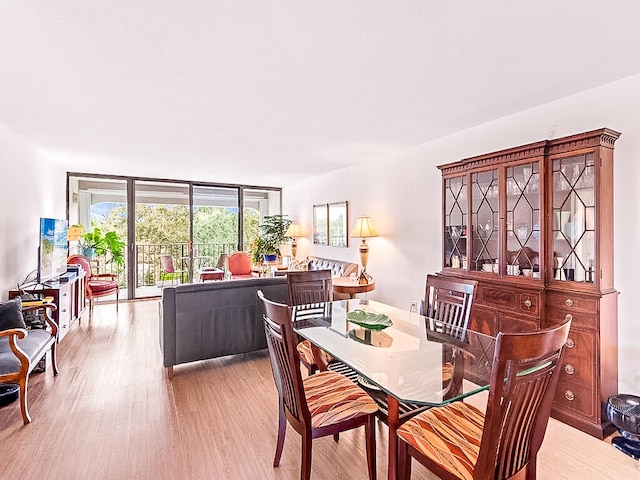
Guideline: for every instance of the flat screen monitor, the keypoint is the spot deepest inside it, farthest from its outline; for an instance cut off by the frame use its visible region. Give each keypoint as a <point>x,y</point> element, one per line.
<point>52,249</point>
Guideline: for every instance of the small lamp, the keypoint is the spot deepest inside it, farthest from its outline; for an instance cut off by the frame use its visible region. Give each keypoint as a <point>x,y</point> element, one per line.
<point>363,229</point>
<point>294,231</point>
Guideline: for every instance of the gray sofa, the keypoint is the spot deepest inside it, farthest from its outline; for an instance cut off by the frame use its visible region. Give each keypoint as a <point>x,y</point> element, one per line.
<point>213,319</point>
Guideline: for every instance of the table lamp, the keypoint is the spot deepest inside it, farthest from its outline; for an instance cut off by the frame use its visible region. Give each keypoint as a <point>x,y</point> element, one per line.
<point>294,231</point>
<point>363,229</point>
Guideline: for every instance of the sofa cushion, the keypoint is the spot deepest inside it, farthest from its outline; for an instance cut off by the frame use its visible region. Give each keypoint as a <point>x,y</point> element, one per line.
<point>11,314</point>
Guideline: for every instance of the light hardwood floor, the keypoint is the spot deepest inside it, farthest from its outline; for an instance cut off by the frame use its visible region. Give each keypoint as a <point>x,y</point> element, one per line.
<point>112,413</point>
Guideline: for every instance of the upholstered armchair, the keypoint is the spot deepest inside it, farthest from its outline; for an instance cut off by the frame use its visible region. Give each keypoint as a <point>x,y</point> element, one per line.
<point>240,265</point>
<point>98,285</point>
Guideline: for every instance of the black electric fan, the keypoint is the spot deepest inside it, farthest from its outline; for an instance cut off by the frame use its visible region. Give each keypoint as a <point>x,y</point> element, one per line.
<point>624,412</point>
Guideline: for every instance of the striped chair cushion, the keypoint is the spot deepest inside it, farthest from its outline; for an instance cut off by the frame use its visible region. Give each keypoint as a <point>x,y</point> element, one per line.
<point>306,354</point>
<point>333,398</point>
<point>450,436</point>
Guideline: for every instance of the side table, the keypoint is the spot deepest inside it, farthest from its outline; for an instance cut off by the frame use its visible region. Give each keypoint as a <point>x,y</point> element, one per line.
<point>347,286</point>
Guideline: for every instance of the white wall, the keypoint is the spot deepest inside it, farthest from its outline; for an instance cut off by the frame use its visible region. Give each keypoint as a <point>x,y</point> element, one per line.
<point>403,197</point>
<point>31,186</point>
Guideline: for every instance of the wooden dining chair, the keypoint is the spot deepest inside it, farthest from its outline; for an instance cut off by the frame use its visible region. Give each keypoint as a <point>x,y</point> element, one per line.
<point>448,300</point>
<point>459,441</point>
<point>322,404</point>
<point>313,286</point>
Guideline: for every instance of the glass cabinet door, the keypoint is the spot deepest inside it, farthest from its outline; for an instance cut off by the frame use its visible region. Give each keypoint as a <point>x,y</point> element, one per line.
<point>574,218</point>
<point>455,222</point>
<point>485,220</point>
<point>523,220</point>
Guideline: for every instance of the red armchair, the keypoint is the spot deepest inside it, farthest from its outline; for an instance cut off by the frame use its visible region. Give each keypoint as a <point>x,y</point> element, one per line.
<point>96,285</point>
<point>240,265</point>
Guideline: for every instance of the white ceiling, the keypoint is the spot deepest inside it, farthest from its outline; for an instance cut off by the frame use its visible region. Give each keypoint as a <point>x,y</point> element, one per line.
<point>243,91</point>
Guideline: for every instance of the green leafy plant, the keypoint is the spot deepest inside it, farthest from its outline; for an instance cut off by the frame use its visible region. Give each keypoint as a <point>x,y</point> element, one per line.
<point>99,244</point>
<point>273,233</point>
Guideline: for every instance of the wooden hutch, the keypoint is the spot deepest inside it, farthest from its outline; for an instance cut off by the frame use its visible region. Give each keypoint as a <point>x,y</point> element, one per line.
<point>534,226</point>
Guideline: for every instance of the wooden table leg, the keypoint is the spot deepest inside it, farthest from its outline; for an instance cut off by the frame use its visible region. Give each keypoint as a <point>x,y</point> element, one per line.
<point>393,419</point>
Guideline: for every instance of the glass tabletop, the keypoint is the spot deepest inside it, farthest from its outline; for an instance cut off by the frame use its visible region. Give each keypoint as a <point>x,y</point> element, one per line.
<point>416,359</point>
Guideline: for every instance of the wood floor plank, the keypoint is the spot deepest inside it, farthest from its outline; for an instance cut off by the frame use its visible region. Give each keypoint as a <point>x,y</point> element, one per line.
<point>113,414</point>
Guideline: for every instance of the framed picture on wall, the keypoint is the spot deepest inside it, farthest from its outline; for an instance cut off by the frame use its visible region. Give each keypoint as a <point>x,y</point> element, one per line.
<point>320,224</point>
<point>338,221</point>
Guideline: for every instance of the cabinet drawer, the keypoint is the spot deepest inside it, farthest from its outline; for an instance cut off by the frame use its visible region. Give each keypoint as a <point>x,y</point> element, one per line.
<point>573,396</point>
<point>579,359</point>
<point>530,303</point>
<point>513,324</point>
<point>484,320</point>
<point>498,297</point>
<point>557,316</point>
<point>573,302</point>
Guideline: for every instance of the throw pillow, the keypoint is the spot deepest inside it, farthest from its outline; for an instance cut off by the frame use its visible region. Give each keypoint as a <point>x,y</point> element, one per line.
<point>11,314</point>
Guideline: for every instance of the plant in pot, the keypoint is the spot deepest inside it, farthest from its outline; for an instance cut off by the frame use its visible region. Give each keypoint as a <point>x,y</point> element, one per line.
<point>94,243</point>
<point>272,234</point>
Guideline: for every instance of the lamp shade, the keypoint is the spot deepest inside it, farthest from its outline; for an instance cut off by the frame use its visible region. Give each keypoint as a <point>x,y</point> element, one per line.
<point>294,231</point>
<point>363,228</point>
<point>74,233</point>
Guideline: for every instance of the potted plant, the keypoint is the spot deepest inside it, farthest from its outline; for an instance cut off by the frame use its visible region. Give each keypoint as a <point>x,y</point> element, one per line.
<point>272,234</point>
<point>94,243</point>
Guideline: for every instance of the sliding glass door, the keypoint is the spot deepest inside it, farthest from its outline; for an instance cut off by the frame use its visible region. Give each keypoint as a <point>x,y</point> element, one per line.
<point>99,206</point>
<point>162,232</point>
<point>171,229</point>
<point>215,226</point>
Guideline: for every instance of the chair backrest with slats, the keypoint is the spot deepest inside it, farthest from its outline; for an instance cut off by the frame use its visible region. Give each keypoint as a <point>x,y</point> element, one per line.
<point>523,382</point>
<point>313,286</point>
<point>285,362</point>
<point>449,301</point>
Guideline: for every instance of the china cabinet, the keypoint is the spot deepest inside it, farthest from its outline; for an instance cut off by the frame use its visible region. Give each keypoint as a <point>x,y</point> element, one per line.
<point>534,226</point>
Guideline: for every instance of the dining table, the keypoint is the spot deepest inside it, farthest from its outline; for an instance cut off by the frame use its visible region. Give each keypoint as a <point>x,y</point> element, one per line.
<point>410,358</point>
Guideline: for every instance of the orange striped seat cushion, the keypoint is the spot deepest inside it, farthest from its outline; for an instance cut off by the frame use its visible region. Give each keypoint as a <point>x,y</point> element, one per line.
<point>333,398</point>
<point>450,436</point>
<point>306,354</point>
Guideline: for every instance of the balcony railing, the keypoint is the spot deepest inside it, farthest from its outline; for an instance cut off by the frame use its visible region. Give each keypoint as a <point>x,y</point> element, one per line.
<point>147,259</point>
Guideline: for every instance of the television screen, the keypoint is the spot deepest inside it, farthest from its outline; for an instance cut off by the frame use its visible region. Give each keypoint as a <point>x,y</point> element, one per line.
<point>52,250</point>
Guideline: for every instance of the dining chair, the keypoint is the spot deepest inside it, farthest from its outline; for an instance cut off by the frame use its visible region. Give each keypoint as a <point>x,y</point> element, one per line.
<point>306,287</point>
<point>448,300</point>
<point>458,441</point>
<point>322,404</point>
<point>167,266</point>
